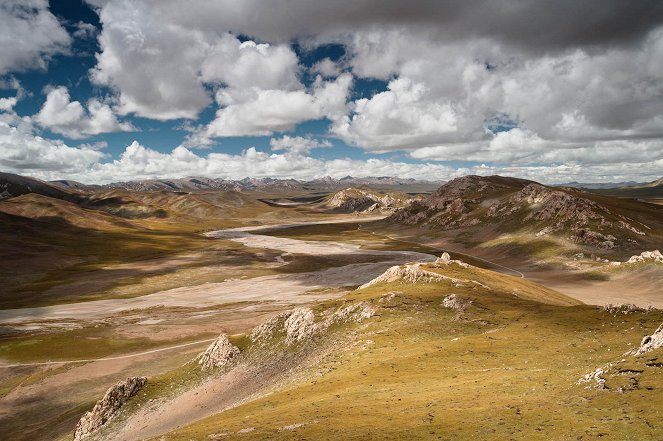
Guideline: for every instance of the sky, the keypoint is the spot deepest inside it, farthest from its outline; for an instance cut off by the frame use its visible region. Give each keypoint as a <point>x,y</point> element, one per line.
<point>112,90</point>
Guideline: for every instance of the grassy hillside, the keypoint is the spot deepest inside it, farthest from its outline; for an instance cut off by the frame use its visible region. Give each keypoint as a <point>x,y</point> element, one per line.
<point>501,362</point>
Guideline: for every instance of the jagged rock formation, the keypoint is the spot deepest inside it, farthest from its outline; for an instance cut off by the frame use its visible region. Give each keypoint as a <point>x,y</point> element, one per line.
<point>355,200</point>
<point>624,308</point>
<point>218,354</point>
<point>509,204</point>
<point>646,256</point>
<point>414,273</point>
<point>650,342</point>
<point>268,329</point>
<point>445,259</point>
<point>300,324</point>
<point>106,408</point>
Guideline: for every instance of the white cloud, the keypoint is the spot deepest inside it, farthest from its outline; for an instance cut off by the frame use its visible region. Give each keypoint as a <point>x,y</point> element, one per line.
<point>574,105</point>
<point>327,68</point>
<point>85,30</point>
<point>160,67</point>
<point>23,152</point>
<point>151,64</point>
<point>521,146</point>
<point>7,104</point>
<point>29,35</point>
<point>297,145</point>
<point>400,118</point>
<point>265,111</point>
<point>71,119</point>
<point>248,64</point>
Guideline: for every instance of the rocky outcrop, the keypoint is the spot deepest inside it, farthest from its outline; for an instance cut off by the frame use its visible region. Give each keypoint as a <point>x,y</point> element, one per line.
<point>414,273</point>
<point>445,259</point>
<point>300,324</point>
<point>546,203</point>
<point>269,328</point>
<point>454,302</point>
<point>650,342</point>
<point>644,257</point>
<point>218,354</point>
<point>647,256</point>
<point>354,200</point>
<point>411,273</point>
<point>354,312</point>
<point>106,408</point>
<point>514,205</point>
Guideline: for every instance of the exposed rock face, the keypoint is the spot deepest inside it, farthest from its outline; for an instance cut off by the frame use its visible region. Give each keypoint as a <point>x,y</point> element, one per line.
<point>354,200</point>
<point>413,273</point>
<point>445,259</point>
<point>408,273</point>
<point>354,312</point>
<point>450,206</point>
<point>108,406</point>
<point>300,325</point>
<point>454,302</point>
<point>650,342</point>
<point>646,256</point>
<point>267,330</point>
<point>654,256</point>
<point>218,354</point>
<point>551,204</point>
<point>623,308</point>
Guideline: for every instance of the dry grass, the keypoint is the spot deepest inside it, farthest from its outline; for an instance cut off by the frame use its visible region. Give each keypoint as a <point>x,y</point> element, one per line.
<point>505,369</point>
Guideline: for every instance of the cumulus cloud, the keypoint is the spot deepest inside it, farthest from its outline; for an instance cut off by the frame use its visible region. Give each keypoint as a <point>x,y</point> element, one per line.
<point>71,119</point>
<point>248,64</point>
<point>58,161</point>
<point>564,105</point>
<point>297,144</point>
<point>258,111</point>
<point>327,68</point>
<point>23,152</point>
<point>537,89</point>
<point>160,67</point>
<point>526,23</point>
<point>29,35</point>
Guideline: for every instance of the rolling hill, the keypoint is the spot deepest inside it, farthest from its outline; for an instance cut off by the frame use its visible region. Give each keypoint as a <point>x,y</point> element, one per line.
<point>479,209</point>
